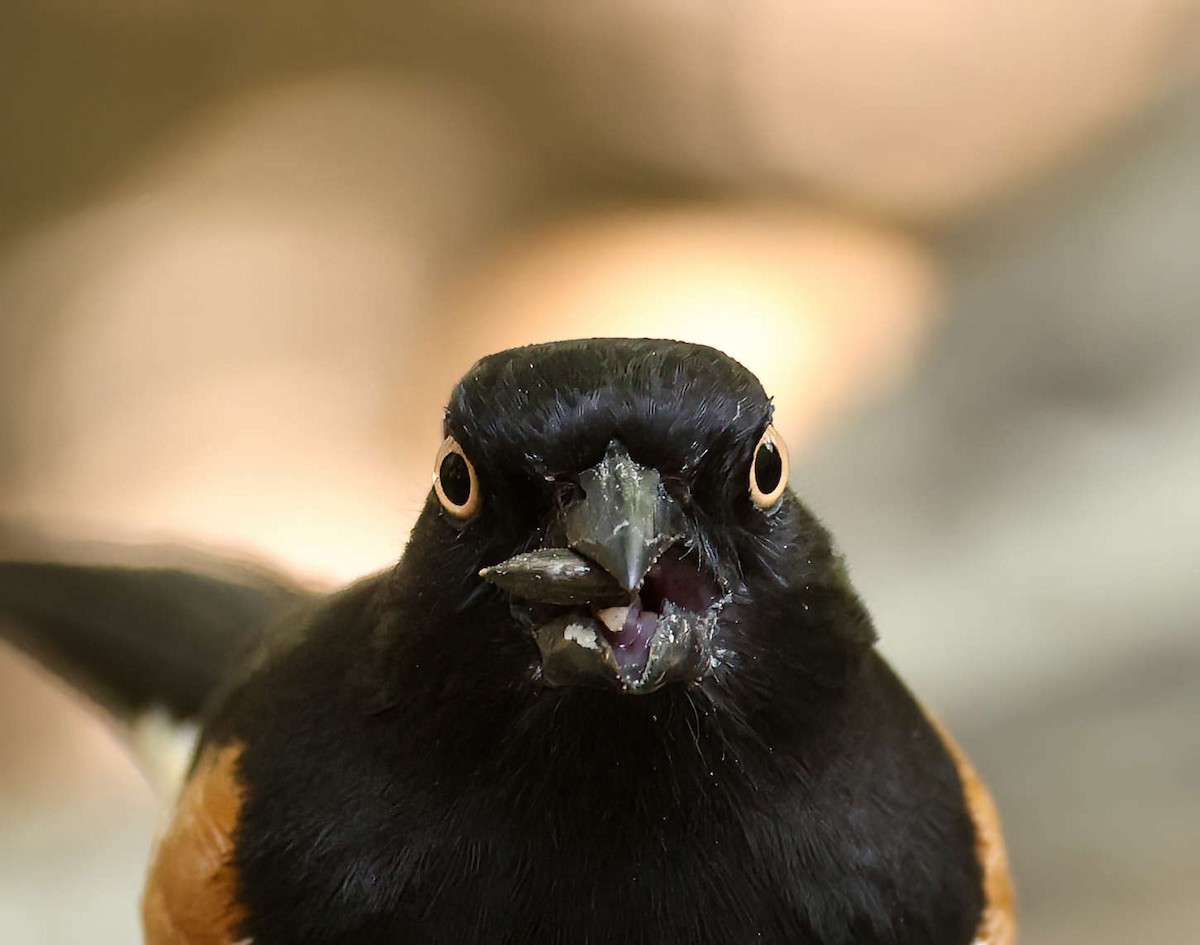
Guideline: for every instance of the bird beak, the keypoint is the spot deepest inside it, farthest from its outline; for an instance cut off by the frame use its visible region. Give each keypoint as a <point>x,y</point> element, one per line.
<point>638,610</point>
<point>614,533</point>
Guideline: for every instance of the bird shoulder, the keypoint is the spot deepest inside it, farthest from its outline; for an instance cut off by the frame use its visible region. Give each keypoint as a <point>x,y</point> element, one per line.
<point>998,923</point>
<point>191,892</point>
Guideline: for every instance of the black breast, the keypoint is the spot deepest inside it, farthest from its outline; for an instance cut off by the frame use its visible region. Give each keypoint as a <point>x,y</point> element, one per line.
<point>434,821</point>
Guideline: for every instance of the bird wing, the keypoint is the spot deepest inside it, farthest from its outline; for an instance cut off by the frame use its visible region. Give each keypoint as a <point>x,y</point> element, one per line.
<point>149,646</point>
<point>191,891</point>
<point>998,924</point>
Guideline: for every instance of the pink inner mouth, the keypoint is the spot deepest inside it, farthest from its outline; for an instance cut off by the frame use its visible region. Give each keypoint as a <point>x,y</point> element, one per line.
<point>673,579</point>
<point>634,632</point>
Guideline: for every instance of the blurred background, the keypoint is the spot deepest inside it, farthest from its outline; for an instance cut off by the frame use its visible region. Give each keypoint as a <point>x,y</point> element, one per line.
<point>246,248</point>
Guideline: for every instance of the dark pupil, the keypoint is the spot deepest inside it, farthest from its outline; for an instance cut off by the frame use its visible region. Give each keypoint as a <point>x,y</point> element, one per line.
<point>455,479</point>
<point>768,467</point>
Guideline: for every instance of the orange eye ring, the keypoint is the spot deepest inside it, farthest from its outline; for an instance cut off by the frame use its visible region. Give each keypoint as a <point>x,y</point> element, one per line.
<point>455,482</point>
<point>769,470</point>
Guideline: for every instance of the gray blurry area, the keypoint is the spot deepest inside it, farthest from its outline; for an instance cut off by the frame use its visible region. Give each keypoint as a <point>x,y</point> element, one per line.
<point>1021,513</point>
<point>1023,518</point>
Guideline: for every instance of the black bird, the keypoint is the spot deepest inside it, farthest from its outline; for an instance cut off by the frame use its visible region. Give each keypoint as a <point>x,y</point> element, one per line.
<point>617,690</point>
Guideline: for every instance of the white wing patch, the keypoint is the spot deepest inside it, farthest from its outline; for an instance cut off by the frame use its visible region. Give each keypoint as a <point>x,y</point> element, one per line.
<point>163,746</point>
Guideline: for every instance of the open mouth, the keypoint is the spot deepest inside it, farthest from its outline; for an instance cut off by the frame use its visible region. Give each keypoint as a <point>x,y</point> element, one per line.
<point>663,633</point>
<point>625,598</point>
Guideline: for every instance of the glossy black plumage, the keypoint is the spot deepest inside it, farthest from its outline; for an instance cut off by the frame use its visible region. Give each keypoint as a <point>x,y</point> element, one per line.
<point>409,781</point>
<point>407,778</point>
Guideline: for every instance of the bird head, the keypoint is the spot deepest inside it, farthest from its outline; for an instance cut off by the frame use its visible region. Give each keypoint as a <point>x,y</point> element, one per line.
<point>625,504</point>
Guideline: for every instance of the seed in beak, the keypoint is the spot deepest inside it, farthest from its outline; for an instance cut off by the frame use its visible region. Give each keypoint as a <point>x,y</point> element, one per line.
<point>613,618</point>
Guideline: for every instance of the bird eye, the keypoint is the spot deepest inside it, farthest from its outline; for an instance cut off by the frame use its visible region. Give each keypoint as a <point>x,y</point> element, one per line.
<point>455,482</point>
<point>768,470</point>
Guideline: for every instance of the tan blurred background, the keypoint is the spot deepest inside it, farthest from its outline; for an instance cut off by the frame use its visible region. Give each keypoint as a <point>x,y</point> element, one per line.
<point>247,247</point>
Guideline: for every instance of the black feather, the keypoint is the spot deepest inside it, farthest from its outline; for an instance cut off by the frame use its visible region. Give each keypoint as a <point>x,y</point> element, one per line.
<point>133,639</point>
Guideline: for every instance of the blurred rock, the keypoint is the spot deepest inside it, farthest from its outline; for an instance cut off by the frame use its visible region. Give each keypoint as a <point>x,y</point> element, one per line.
<point>923,111</point>
<point>1024,509</point>
<point>1097,780</point>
